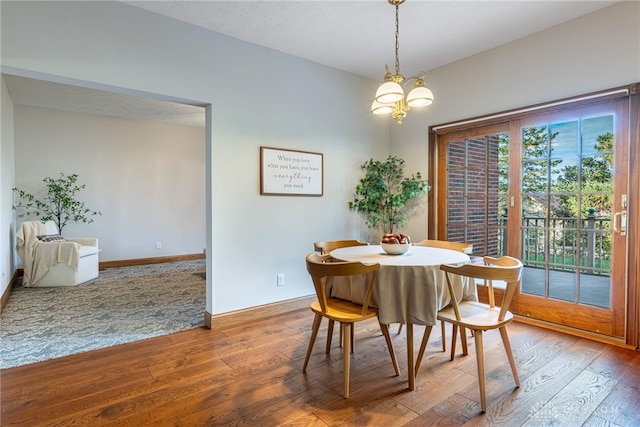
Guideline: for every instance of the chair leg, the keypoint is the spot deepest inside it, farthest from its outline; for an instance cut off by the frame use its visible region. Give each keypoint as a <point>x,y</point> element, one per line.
<point>392,353</point>
<point>353,338</point>
<point>314,333</point>
<point>423,346</point>
<point>463,340</point>
<point>400,328</point>
<point>329,335</point>
<point>353,342</point>
<point>480,363</point>
<point>346,333</point>
<point>507,347</point>
<point>454,336</point>
<point>443,332</point>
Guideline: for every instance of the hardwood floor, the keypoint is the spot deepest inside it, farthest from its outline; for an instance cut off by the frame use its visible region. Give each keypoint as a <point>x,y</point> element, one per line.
<point>251,375</point>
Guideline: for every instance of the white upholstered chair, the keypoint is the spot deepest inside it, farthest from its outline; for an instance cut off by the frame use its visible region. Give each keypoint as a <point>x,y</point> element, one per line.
<point>50,260</point>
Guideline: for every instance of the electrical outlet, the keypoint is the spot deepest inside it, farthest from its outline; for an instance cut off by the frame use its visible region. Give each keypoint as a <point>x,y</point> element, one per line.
<point>158,245</point>
<point>281,279</point>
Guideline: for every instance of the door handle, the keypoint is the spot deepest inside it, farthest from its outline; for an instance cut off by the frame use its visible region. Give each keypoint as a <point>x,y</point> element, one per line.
<point>622,216</point>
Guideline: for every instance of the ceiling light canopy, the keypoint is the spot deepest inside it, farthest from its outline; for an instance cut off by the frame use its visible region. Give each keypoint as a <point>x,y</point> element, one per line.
<point>390,97</point>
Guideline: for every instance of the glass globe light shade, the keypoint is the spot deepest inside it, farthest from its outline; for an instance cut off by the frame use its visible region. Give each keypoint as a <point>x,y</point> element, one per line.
<point>419,96</point>
<point>389,92</point>
<point>379,108</point>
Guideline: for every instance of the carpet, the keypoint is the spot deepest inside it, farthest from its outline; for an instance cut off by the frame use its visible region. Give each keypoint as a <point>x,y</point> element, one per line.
<point>120,306</point>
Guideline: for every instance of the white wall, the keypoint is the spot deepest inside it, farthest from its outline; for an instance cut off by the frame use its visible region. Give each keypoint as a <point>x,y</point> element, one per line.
<point>259,97</point>
<point>594,52</point>
<point>7,261</point>
<point>146,178</point>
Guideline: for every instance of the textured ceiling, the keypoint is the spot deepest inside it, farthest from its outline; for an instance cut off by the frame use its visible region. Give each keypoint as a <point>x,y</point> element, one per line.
<point>40,93</point>
<point>356,36</point>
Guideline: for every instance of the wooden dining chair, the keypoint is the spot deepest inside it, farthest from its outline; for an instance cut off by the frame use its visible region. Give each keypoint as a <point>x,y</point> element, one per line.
<point>345,312</point>
<point>480,317</point>
<point>325,248</point>
<point>328,246</point>
<point>465,248</point>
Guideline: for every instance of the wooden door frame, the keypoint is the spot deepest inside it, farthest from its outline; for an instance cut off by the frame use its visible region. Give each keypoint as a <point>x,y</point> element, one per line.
<point>632,92</point>
<point>633,218</point>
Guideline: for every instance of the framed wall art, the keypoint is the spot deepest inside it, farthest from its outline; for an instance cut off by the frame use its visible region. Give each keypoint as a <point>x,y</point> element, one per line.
<point>290,172</point>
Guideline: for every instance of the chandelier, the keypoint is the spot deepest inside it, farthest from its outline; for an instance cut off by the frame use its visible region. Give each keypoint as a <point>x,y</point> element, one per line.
<point>390,97</point>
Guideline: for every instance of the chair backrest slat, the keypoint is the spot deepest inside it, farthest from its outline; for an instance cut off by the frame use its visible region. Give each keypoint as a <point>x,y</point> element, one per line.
<point>453,296</point>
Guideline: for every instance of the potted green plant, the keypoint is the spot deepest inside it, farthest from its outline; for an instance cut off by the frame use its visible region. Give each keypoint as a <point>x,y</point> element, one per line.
<point>383,194</point>
<point>57,203</point>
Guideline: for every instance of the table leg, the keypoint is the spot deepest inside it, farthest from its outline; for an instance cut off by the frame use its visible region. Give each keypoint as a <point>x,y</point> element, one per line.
<point>411,372</point>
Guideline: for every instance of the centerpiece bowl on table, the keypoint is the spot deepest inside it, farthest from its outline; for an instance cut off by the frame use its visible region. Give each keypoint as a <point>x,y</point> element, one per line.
<point>395,244</point>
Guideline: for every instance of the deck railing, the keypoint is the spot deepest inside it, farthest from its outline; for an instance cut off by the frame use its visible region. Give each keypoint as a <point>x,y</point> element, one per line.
<point>566,244</point>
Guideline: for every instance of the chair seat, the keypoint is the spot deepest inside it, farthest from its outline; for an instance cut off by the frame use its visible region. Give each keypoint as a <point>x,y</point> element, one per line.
<point>475,315</point>
<point>343,311</point>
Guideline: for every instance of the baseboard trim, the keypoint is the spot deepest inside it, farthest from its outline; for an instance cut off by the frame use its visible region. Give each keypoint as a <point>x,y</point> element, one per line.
<point>7,292</point>
<point>143,261</point>
<point>247,315</point>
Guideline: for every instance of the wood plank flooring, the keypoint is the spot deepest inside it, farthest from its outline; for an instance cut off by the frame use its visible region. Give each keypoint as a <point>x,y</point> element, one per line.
<point>250,374</point>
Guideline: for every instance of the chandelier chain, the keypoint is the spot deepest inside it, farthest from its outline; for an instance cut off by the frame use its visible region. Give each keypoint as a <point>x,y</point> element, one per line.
<point>397,43</point>
<point>390,97</point>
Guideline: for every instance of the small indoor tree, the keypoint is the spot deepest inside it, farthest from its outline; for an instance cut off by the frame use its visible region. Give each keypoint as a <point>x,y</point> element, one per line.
<point>58,202</point>
<point>383,193</point>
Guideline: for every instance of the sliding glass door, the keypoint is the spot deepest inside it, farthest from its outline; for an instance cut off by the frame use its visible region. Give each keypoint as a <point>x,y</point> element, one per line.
<point>571,232</point>
<point>551,190</point>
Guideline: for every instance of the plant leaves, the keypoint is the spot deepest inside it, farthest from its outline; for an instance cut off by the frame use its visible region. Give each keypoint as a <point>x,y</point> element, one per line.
<point>383,193</point>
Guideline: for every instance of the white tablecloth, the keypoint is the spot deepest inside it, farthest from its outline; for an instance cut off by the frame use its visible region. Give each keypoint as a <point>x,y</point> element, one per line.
<point>410,288</point>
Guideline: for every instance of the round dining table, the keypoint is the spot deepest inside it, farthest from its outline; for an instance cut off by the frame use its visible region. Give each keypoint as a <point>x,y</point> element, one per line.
<point>409,288</point>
